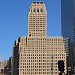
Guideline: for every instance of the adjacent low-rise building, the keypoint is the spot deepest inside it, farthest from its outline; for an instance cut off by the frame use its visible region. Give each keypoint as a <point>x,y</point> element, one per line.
<point>7,69</point>
<point>2,66</point>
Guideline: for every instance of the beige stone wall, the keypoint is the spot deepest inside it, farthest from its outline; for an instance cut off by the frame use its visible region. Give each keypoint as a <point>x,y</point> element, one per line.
<point>37,19</point>
<point>2,64</point>
<point>40,55</point>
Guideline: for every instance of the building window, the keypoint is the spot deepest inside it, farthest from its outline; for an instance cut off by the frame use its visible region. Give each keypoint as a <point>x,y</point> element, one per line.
<point>41,10</point>
<point>34,10</point>
<point>38,10</point>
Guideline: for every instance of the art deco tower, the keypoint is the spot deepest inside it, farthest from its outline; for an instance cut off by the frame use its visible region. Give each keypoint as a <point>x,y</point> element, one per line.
<point>37,54</point>
<point>37,19</point>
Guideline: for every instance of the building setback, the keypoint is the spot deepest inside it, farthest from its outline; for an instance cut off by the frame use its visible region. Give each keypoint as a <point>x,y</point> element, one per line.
<point>38,54</point>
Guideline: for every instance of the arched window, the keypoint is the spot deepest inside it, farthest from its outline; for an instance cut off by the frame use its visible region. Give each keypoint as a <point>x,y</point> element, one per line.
<point>37,9</point>
<point>41,10</point>
<point>34,10</point>
<point>31,10</point>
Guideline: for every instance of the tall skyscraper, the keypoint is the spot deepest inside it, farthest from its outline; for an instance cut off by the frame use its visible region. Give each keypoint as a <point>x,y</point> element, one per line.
<point>68,26</point>
<point>38,54</point>
<point>67,18</point>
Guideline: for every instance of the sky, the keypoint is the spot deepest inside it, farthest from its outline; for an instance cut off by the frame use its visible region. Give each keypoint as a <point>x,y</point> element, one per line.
<point>14,22</point>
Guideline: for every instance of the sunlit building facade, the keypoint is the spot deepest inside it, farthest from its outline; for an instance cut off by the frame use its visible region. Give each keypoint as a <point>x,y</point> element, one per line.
<point>38,54</point>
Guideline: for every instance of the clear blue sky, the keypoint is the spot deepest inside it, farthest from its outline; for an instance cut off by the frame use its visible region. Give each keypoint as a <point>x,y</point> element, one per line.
<point>14,22</point>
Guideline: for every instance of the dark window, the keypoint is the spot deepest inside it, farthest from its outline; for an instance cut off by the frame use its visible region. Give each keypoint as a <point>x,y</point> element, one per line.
<point>34,10</point>
<point>38,10</point>
<point>41,10</point>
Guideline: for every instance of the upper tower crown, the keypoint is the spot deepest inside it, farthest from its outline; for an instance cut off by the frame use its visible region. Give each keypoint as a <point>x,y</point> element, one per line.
<point>38,2</point>
<point>38,7</point>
